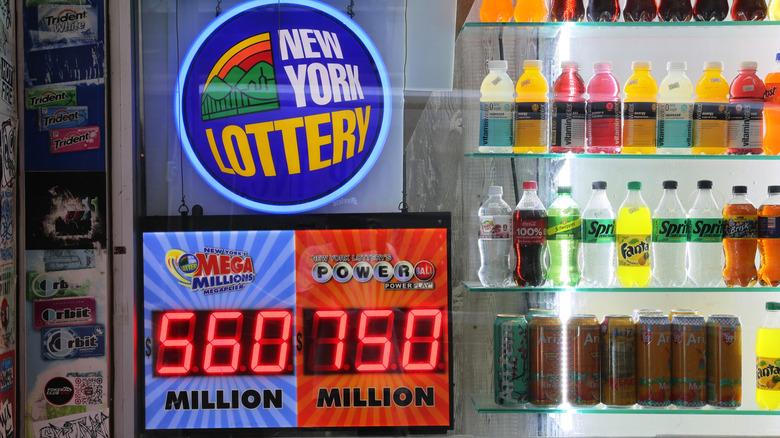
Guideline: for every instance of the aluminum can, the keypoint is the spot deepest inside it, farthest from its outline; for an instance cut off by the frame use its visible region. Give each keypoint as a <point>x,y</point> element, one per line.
<point>618,361</point>
<point>674,312</point>
<point>638,312</point>
<point>584,351</point>
<point>654,361</point>
<point>724,361</point>
<point>533,311</point>
<point>689,361</point>
<point>510,359</point>
<point>546,359</point>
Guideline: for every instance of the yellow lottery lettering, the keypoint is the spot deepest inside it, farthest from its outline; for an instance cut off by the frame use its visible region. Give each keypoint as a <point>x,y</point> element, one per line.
<point>315,141</point>
<point>343,136</point>
<point>260,132</point>
<point>228,134</point>
<point>215,152</point>
<point>290,140</point>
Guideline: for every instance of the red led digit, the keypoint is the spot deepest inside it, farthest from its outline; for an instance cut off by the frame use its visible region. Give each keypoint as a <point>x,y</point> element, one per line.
<point>337,360</point>
<point>167,343</point>
<point>282,342</point>
<point>364,340</point>
<point>411,339</point>
<point>214,342</point>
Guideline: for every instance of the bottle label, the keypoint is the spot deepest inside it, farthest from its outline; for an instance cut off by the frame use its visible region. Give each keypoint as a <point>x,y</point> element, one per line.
<point>531,123</point>
<point>598,230</point>
<point>568,124</point>
<point>768,227</point>
<point>772,93</point>
<point>670,230</point>
<point>709,124</point>
<point>639,124</point>
<point>603,123</point>
<point>633,249</point>
<point>564,228</point>
<point>497,124</point>
<point>740,227</point>
<point>768,373</point>
<point>530,231</point>
<point>746,125</point>
<point>495,227</point>
<point>706,230</point>
<point>674,125</point>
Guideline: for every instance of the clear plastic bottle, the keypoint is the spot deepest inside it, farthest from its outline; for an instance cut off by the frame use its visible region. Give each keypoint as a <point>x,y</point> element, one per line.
<point>529,231</point>
<point>497,115</point>
<point>675,111</point>
<point>564,234</point>
<point>633,233</point>
<point>567,119</point>
<point>598,239</point>
<point>769,238</point>
<point>603,111</point>
<point>768,359</point>
<point>670,234</point>
<point>705,247</point>
<point>740,219</point>
<point>495,240</point>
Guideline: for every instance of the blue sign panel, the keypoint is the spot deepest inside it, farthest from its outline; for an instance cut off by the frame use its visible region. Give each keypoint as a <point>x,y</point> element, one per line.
<point>283,106</point>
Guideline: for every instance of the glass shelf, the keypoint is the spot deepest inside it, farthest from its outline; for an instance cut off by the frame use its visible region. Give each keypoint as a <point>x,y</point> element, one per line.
<point>475,286</point>
<point>485,405</point>
<point>551,156</point>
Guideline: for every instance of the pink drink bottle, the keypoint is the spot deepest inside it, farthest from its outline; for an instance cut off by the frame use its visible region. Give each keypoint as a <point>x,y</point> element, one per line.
<point>603,111</point>
<point>567,130</point>
<point>746,112</point>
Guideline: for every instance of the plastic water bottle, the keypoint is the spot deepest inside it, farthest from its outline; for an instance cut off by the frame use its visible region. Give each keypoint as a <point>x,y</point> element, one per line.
<point>495,240</point>
<point>598,239</point>
<point>675,111</point>
<point>670,232</point>
<point>564,234</point>
<point>705,247</point>
<point>497,110</point>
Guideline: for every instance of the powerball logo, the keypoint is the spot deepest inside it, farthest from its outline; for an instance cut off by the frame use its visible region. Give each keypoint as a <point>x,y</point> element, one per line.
<point>213,271</point>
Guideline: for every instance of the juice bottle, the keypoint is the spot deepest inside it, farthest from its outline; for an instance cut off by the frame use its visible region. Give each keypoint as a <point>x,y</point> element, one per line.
<point>740,219</point>
<point>495,11</point>
<point>531,109</point>
<point>603,10</point>
<point>675,111</point>
<point>710,10</point>
<point>633,229</point>
<point>531,11</point>
<point>675,10</point>
<point>567,123</point>
<point>639,111</point>
<point>603,111</point>
<point>774,10</point>
<point>768,359</point>
<point>710,130</point>
<point>497,129</point>
<point>640,10</point>
<point>567,10</point>
<point>746,111</point>
<point>769,238</point>
<point>748,10</point>
<point>772,103</point>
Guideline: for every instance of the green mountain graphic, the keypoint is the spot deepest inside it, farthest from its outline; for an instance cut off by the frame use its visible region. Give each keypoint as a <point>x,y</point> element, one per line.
<point>241,92</point>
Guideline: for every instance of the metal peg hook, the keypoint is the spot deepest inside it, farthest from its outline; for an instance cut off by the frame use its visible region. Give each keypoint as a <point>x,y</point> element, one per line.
<point>219,8</point>
<point>350,12</point>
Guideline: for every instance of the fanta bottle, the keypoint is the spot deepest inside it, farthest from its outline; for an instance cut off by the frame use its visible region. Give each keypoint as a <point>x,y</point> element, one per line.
<point>772,105</point>
<point>675,111</point>
<point>633,230</point>
<point>531,109</point>
<point>531,11</point>
<point>639,111</point>
<point>710,130</point>
<point>497,110</point>
<point>748,10</point>
<point>567,130</point>
<point>769,239</point>
<point>495,11</point>
<point>746,111</point>
<point>768,359</point>
<point>603,111</point>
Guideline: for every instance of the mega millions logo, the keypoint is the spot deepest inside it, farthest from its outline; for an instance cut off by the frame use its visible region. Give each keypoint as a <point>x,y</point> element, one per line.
<point>283,106</point>
<point>215,270</point>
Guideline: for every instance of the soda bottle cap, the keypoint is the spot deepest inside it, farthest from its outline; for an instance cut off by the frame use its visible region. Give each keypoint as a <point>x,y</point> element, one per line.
<point>529,185</point>
<point>677,65</point>
<point>634,185</point>
<point>777,57</point>
<point>713,65</point>
<point>533,63</point>
<point>748,65</point>
<point>773,189</point>
<point>670,184</point>
<point>599,185</point>
<point>772,305</point>
<point>569,64</point>
<point>739,190</point>
<point>704,184</point>
<point>602,65</point>
<point>497,64</point>
<point>641,65</point>
<point>495,190</point>
<point>564,189</point>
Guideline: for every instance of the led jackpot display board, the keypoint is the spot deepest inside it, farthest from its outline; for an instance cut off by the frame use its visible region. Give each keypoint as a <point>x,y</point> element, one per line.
<point>320,322</point>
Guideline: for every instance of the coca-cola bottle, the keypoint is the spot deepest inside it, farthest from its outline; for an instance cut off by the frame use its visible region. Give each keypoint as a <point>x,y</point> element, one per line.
<point>748,10</point>
<point>567,10</point>
<point>675,10</point>
<point>640,10</point>
<point>529,225</point>
<point>603,10</point>
<point>710,10</point>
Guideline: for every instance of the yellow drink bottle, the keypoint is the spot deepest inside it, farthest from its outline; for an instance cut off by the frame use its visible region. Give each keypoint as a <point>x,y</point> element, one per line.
<point>531,110</point>
<point>710,128</point>
<point>768,359</point>
<point>531,11</point>
<point>495,11</point>
<point>774,10</point>
<point>633,229</point>
<point>639,110</point>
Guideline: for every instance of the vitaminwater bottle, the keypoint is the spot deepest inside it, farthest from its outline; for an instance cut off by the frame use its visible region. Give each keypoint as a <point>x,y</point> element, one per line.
<point>603,10</point>
<point>772,104</point>
<point>497,117</point>
<point>746,111</point>
<point>640,10</point>
<point>710,129</point>
<point>603,111</point>
<point>567,10</point>
<point>598,239</point>
<point>529,226</point>
<point>740,219</point>
<point>670,232</point>
<point>633,230</point>
<point>564,235</point>
<point>639,110</point>
<point>768,359</point>
<point>495,240</point>
<point>675,10</point>
<point>774,10</point>
<point>531,11</point>
<point>710,10</point>
<point>748,10</point>
<point>675,111</point>
<point>705,246</point>
<point>531,109</point>
<point>769,238</point>
<point>495,11</point>
<point>567,124</point>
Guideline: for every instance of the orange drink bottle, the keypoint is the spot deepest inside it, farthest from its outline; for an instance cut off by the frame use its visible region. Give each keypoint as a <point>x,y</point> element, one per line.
<point>531,109</point>
<point>531,11</point>
<point>495,11</point>
<point>653,360</point>
<point>769,238</point>
<point>772,102</point>
<point>689,361</point>
<point>740,223</point>
<point>724,361</point>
